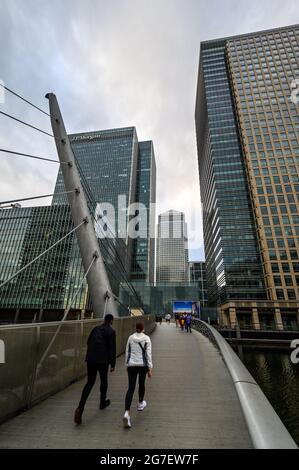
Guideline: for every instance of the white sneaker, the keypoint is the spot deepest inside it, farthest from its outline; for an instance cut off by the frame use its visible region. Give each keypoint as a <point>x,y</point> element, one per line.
<point>142,405</point>
<point>127,420</point>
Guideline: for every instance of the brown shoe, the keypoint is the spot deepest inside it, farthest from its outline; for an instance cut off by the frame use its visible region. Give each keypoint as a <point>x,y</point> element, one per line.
<point>78,416</point>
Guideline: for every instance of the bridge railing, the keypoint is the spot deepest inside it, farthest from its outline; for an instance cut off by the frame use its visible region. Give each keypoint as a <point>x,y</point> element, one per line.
<point>27,376</point>
<point>264,425</point>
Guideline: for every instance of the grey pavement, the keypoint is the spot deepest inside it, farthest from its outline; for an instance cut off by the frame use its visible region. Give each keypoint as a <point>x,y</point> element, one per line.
<point>192,403</point>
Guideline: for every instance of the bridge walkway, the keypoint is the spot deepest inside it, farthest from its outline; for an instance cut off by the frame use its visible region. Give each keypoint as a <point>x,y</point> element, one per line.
<point>192,403</point>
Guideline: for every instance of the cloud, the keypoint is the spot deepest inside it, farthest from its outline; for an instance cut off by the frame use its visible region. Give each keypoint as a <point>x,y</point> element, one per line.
<point>113,64</point>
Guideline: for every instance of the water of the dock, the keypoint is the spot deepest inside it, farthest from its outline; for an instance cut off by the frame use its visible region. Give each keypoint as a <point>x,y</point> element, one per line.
<point>192,403</point>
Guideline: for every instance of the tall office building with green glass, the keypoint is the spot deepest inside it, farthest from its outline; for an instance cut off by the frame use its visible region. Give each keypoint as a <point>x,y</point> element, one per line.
<point>119,171</point>
<point>248,154</point>
<point>112,164</point>
<point>44,289</point>
<point>143,266</point>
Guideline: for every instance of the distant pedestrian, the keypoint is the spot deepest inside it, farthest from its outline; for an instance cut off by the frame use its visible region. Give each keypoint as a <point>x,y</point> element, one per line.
<point>101,352</point>
<point>168,318</point>
<point>182,322</point>
<point>139,364</point>
<point>177,319</point>
<point>188,322</point>
<point>160,319</point>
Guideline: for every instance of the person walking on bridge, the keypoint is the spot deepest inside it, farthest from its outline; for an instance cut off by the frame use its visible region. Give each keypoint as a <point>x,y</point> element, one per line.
<point>168,318</point>
<point>188,322</point>
<point>139,364</point>
<point>101,352</point>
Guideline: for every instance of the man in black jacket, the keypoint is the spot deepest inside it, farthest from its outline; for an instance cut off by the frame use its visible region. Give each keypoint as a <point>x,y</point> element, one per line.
<point>101,352</point>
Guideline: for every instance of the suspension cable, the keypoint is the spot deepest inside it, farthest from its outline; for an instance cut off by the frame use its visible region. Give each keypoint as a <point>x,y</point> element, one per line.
<point>23,99</point>
<point>20,154</point>
<point>36,197</point>
<point>26,124</point>
<point>42,254</point>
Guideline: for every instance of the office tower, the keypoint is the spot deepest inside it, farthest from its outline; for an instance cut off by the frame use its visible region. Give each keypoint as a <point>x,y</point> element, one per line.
<point>143,264</point>
<point>198,274</point>
<point>111,164</point>
<point>108,161</point>
<point>172,248</point>
<point>44,289</point>
<point>119,171</point>
<point>248,164</point>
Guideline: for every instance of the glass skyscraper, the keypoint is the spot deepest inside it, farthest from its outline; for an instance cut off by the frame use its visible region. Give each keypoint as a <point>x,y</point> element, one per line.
<point>111,163</point>
<point>143,265</point>
<point>198,274</point>
<point>172,248</point>
<point>45,288</point>
<point>248,164</point>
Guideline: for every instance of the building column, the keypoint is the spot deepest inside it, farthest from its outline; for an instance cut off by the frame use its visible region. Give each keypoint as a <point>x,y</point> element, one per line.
<point>255,319</point>
<point>232,317</point>
<point>222,318</point>
<point>278,319</point>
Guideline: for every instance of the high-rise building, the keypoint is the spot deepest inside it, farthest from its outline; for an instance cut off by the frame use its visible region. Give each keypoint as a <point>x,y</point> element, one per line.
<point>198,274</point>
<point>108,160</point>
<point>248,155</point>
<point>112,165</point>
<point>119,171</point>
<point>45,288</point>
<point>143,259</point>
<point>172,248</point>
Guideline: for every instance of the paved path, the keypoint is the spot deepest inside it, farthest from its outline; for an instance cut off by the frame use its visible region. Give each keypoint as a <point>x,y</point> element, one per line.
<point>191,404</point>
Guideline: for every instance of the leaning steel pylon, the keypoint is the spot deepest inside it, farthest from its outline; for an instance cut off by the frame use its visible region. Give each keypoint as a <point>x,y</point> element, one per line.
<point>98,282</point>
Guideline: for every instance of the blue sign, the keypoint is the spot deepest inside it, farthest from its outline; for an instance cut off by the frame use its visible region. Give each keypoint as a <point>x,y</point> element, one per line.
<point>187,306</point>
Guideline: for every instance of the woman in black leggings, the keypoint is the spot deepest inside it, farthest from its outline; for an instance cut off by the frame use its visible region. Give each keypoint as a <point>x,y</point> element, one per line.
<point>139,364</point>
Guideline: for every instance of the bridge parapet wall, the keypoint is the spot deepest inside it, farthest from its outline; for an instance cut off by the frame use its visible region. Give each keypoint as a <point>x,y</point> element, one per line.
<point>25,381</point>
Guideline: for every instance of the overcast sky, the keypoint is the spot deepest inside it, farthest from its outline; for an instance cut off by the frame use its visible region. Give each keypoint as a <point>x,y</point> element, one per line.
<point>115,63</point>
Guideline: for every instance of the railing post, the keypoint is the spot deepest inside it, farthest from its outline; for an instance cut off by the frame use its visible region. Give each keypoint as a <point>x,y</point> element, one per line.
<point>34,368</point>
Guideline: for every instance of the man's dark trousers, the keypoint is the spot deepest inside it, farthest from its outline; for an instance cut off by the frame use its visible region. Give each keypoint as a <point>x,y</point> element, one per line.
<point>92,370</point>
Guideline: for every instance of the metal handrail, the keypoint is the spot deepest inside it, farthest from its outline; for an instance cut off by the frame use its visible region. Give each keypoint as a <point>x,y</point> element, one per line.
<point>264,425</point>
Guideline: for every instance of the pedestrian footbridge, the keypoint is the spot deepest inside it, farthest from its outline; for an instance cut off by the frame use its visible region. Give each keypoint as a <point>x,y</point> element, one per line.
<point>200,395</point>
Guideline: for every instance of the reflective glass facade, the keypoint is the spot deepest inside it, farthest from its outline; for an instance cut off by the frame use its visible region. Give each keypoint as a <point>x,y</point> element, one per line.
<point>25,233</point>
<point>113,163</point>
<point>159,299</point>
<point>198,273</point>
<point>143,260</point>
<point>108,160</point>
<point>247,138</point>
<point>233,262</point>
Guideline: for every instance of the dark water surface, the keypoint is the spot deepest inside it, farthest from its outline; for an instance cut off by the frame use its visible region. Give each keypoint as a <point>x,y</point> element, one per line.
<point>279,380</point>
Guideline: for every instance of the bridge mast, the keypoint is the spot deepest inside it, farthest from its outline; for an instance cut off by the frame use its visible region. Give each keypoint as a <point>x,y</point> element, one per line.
<point>97,278</point>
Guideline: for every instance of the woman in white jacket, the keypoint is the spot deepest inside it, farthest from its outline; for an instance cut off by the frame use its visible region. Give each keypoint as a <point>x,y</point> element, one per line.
<point>138,363</point>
